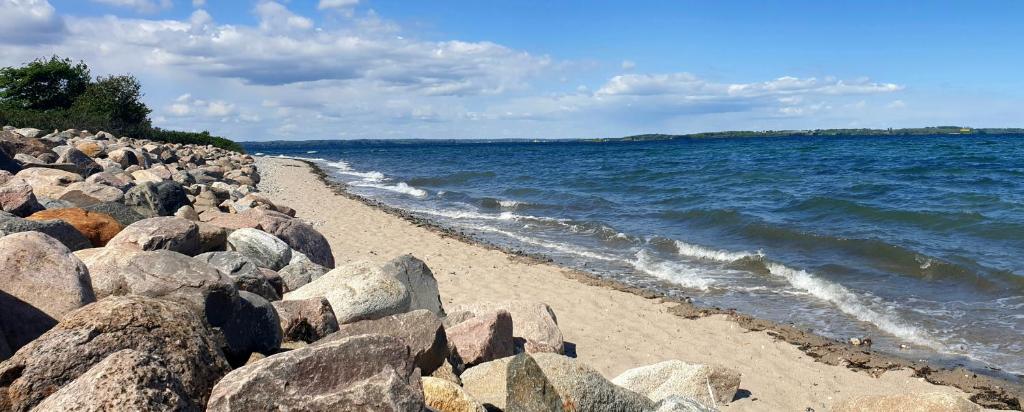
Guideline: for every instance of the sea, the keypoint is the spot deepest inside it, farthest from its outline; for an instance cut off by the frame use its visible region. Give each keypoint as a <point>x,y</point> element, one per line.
<point>914,242</point>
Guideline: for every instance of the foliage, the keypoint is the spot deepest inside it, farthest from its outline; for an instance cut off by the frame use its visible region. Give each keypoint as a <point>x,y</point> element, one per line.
<point>56,94</point>
<point>918,131</point>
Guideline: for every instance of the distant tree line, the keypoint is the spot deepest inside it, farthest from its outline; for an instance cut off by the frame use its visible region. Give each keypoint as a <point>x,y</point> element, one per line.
<point>916,131</point>
<point>57,93</point>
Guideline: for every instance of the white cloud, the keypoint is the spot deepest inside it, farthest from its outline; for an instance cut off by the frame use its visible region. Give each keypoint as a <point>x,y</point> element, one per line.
<point>896,104</point>
<point>144,6</point>
<point>628,65</point>
<point>30,22</point>
<point>276,17</point>
<point>186,105</point>
<point>198,3</point>
<point>693,87</point>
<point>336,4</point>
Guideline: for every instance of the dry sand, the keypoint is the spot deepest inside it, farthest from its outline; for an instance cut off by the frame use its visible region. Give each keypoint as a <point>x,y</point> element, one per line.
<point>613,330</point>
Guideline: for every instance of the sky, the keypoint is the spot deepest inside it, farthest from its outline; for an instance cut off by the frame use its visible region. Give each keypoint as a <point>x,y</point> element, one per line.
<point>344,69</point>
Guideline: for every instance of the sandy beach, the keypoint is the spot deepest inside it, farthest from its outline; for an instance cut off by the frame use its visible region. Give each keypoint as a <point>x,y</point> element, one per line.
<point>612,330</point>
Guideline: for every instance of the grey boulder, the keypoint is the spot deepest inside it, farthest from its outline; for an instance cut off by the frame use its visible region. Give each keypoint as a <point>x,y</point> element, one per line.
<point>357,291</point>
<point>306,320</point>
<point>157,199</point>
<point>161,233</point>
<point>265,249</point>
<point>298,274</point>
<point>243,270</point>
<point>419,329</point>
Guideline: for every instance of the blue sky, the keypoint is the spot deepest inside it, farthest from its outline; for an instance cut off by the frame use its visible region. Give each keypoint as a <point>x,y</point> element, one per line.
<point>260,70</point>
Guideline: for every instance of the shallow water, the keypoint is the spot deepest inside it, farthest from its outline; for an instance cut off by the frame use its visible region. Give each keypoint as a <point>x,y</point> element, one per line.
<point>916,241</point>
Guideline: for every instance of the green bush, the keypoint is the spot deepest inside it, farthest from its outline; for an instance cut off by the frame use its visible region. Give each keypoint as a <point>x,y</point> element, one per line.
<point>57,94</point>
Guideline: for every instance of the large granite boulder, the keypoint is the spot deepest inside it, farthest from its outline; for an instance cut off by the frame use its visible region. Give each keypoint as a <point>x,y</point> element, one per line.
<point>47,182</point>
<point>85,164</point>
<point>57,229</point>
<point>301,236</point>
<point>99,228</point>
<point>358,291</point>
<point>675,377</point>
<point>419,280</point>
<point>512,384</point>
<point>168,233</point>
<point>243,271</point>
<point>253,327</point>
<point>298,274</point>
<point>86,193</point>
<point>126,157</point>
<point>40,282</point>
<point>124,380</point>
<point>445,396</point>
<point>265,249</point>
<point>678,403</point>
<point>124,214</point>
<point>17,198</point>
<point>918,402</point>
<point>419,329</point>
<point>306,320</point>
<point>483,338</point>
<point>166,330</point>
<point>157,199</point>
<point>106,268</point>
<point>535,327</point>
<point>118,180</point>
<point>359,373</point>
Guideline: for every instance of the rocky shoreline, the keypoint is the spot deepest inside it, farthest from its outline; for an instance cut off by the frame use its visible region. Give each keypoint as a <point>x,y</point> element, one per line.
<point>139,275</point>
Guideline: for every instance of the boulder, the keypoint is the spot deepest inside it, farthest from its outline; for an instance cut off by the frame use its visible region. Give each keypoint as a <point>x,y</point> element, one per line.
<point>169,233</point>
<point>535,327</point>
<point>254,327</point>
<point>674,377</point>
<point>119,180</point>
<point>419,280</point>
<point>91,193</point>
<point>17,198</point>
<point>677,403</point>
<point>358,291</point>
<point>580,385</point>
<point>40,282</point>
<point>188,213</point>
<point>512,384</point>
<point>420,329</point>
<point>164,329</point>
<point>243,271</point>
<point>124,380</point>
<point>359,373</point>
<point>123,214</point>
<point>483,338</point>
<point>918,402</point>
<point>8,164</point>
<point>230,221</point>
<point>57,229</point>
<point>306,320</point>
<point>302,237</point>
<point>298,274</point>
<point>47,182</point>
<point>89,147</point>
<point>211,238</point>
<point>444,396</point>
<point>85,164</point>
<point>157,199</point>
<point>125,157</point>
<point>265,249</point>
<point>99,228</point>
<point>106,268</point>
<point>16,142</point>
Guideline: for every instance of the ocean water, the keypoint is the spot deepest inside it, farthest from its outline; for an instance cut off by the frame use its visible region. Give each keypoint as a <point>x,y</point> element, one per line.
<point>915,241</point>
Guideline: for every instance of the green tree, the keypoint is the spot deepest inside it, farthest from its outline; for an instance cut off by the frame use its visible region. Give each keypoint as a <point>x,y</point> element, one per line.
<point>44,84</point>
<point>114,103</point>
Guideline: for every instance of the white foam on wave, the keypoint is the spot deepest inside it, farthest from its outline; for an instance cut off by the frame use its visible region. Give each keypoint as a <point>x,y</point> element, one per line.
<point>675,272</point>
<point>849,303</point>
<point>705,253</point>
<point>560,247</point>
<point>400,187</point>
<point>508,204</point>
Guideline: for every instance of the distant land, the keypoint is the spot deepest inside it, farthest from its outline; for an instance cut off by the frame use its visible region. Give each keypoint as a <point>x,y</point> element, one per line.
<point>918,131</point>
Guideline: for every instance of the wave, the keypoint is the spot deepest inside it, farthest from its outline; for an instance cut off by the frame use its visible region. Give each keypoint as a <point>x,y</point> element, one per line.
<point>684,275</point>
<point>560,247</point>
<point>701,252</point>
<point>400,187</point>
<point>849,303</point>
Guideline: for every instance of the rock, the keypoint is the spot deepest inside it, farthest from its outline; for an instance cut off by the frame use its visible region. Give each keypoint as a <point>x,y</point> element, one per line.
<point>231,221</point>
<point>91,192</point>
<point>157,199</point>
<point>57,229</point>
<point>535,327</point>
<point>483,338</point>
<point>359,373</point>
<point>125,157</point>
<point>512,384</point>
<point>188,213</point>
<point>90,148</point>
<point>419,280</point>
<point>676,403</point>
<point>298,274</point>
<point>169,233</point>
<point>46,182</point>
<point>306,320</point>
<point>265,249</point>
<point>444,396</point>
<point>447,372</point>
<point>85,164</point>
<point>674,377</point>
<point>146,176</point>
<point>254,327</point>
<point>97,227</point>
<point>16,197</point>
<point>302,237</point>
<point>40,282</point>
<point>357,291</point>
<point>119,180</point>
<point>211,238</point>
<point>243,271</point>
<point>161,328</point>
<point>123,214</point>
<point>420,329</point>
<point>124,380</point>
<point>106,268</point>
<point>29,132</point>
<point>924,402</point>
<point>582,386</point>
<point>8,164</point>
<point>18,143</point>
